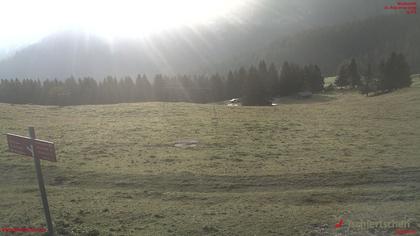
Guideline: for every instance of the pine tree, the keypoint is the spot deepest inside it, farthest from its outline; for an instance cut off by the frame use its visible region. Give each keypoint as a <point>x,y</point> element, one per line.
<point>88,91</point>
<point>342,76</point>
<point>73,90</point>
<point>203,89</point>
<point>272,80</point>
<point>284,77</point>
<point>404,79</point>
<point>217,88</point>
<point>353,76</point>
<point>254,94</point>
<point>263,76</point>
<point>395,73</point>
<point>159,88</point>
<point>109,92</point>
<point>232,86</point>
<point>367,85</point>
<point>127,89</point>
<point>143,89</point>
<point>313,80</point>
<point>291,79</point>
<point>242,75</point>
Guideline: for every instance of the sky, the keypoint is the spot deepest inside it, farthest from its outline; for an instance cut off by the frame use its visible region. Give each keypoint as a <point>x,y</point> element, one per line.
<point>26,21</point>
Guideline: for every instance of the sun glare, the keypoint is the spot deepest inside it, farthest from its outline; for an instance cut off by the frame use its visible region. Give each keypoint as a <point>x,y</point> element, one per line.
<point>138,18</point>
<point>33,20</point>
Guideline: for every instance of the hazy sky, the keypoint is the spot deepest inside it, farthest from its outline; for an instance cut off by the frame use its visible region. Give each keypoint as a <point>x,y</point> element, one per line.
<point>26,21</point>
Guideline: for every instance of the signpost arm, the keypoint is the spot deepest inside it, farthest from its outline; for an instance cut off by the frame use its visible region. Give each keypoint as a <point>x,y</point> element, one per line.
<point>41,185</point>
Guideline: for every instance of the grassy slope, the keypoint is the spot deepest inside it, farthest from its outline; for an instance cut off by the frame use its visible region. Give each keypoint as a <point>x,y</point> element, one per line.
<point>283,170</point>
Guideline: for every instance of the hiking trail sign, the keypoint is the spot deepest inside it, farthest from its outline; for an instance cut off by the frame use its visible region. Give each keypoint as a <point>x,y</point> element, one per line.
<point>38,149</point>
<point>22,145</point>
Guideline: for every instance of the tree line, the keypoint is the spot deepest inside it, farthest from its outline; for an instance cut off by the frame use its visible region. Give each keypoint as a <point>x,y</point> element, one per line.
<point>390,74</point>
<point>256,85</point>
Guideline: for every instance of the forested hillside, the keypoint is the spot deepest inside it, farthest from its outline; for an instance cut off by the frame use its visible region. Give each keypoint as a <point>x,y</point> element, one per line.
<point>231,42</point>
<point>366,40</point>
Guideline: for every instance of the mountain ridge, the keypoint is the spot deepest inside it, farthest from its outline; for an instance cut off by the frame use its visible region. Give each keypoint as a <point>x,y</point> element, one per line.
<point>206,49</point>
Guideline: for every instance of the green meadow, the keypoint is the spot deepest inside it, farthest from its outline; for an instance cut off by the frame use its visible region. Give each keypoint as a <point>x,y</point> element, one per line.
<point>283,170</point>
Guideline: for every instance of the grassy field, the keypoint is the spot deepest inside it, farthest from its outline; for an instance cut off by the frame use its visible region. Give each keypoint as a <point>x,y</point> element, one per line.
<point>283,170</point>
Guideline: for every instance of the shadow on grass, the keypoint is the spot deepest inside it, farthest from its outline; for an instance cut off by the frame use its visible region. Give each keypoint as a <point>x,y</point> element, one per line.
<point>188,182</point>
<point>316,98</point>
<point>337,185</point>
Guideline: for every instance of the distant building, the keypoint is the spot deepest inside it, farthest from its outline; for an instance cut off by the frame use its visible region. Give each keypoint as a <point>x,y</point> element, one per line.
<point>234,102</point>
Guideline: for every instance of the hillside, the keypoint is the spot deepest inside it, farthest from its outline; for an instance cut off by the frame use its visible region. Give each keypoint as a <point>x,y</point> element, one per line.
<point>286,172</point>
<point>223,45</point>
<point>369,40</point>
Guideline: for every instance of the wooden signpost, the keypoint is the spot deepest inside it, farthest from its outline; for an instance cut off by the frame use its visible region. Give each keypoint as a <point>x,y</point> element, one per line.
<point>38,149</point>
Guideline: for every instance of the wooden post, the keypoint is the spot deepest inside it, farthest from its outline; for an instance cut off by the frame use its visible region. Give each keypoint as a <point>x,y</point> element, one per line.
<point>41,185</point>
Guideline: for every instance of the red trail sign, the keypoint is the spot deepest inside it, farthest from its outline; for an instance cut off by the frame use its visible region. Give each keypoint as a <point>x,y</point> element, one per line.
<point>22,145</point>
<point>38,149</point>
